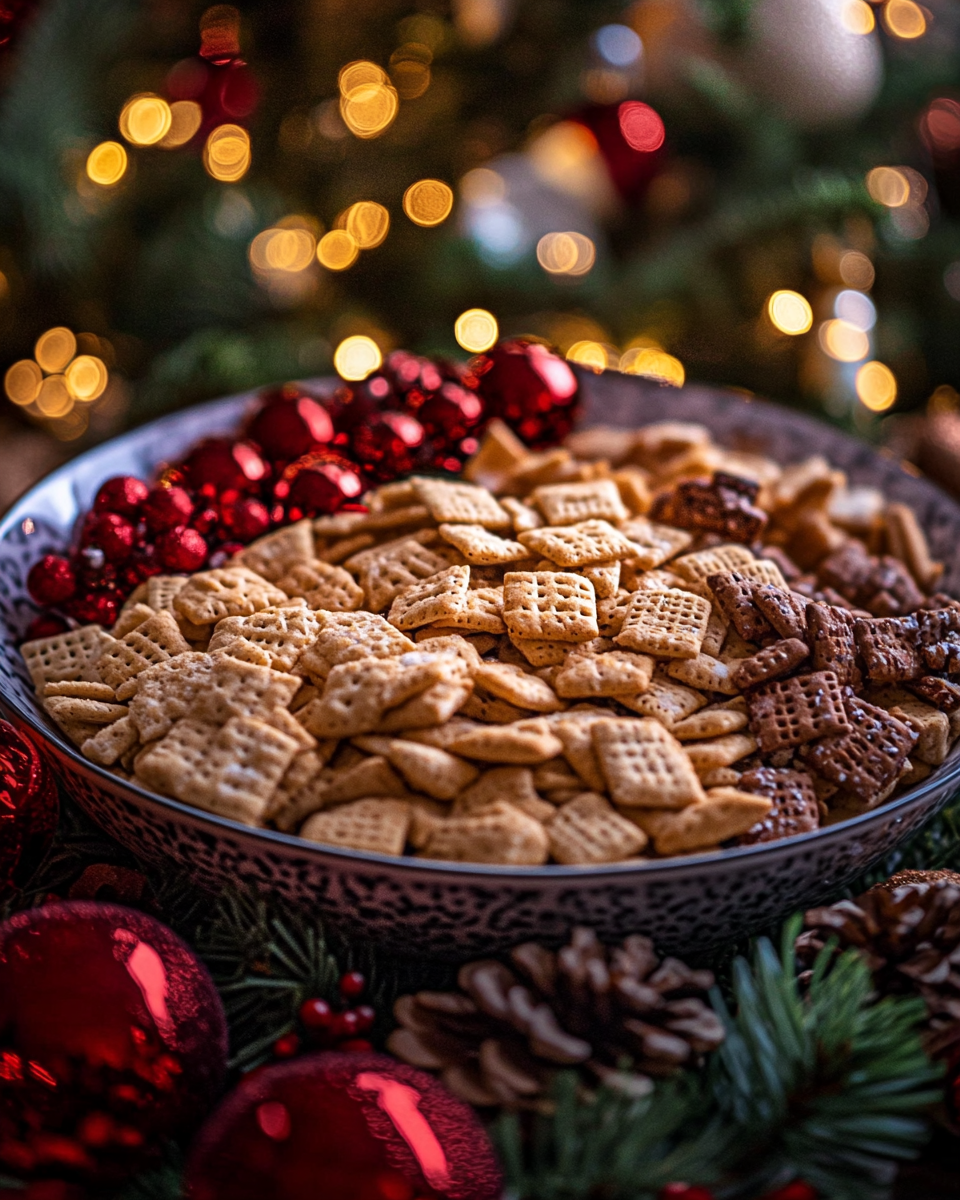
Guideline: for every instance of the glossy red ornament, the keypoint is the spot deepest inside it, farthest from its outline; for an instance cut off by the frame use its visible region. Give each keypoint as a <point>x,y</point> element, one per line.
<point>112,1036</point>
<point>315,1013</point>
<point>289,425</point>
<point>350,406</point>
<point>182,549</point>
<point>631,139</point>
<point>286,1046</point>
<point>226,90</point>
<point>246,519</point>
<point>222,464</point>
<point>166,507</point>
<point>318,483</point>
<point>45,626</point>
<point>123,494</point>
<point>110,532</point>
<point>386,445</point>
<point>351,1126</point>
<point>51,580</point>
<point>96,606</point>
<point>530,388</point>
<point>28,807</point>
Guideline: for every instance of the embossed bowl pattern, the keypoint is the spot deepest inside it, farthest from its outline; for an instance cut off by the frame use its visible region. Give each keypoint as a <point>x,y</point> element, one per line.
<point>460,910</point>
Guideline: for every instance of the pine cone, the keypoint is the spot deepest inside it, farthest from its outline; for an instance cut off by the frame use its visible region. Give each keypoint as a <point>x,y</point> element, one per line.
<point>909,930</point>
<point>619,1013</point>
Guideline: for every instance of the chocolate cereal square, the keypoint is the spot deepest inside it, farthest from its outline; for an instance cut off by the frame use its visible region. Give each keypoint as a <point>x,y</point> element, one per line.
<point>734,593</point>
<point>939,638</point>
<point>795,809</point>
<point>889,648</point>
<point>833,646</point>
<point>869,757</point>
<point>790,712</point>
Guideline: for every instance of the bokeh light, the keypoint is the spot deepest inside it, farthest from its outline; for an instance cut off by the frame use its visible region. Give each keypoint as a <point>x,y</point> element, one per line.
<point>856,270</point>
<point>54,399</point>
<point>359,74</point>
<point>790,312</point>
<point>844,341</point>
<point>428,202</point>
<point>145,119</point>
<point>278,249</point>
<point>55,348</point>
<point>476,330</point>
<point>368,108</point>
<point>410,69</point>
<point>337,250</point>
<point>904,19</point>
<point>357,357</point>
<point>856,16</point>
<point>186,117</point>
<point>653,363</point>
<point>888,186</point>
<point>367,222</point>
<point>107,164</point>
<point>226,154</point>
<point>87,377</point>
<point>641,126</point>
<point>482,187</point>
<point>22,382</point>
<point>856,309</point>
<point>876,386</point>
<point>566,253</point>
<point>567,157</point>
<point>220,32</point>
<point>940,126</point>
<point>618,45</point>
<point>589,354</point>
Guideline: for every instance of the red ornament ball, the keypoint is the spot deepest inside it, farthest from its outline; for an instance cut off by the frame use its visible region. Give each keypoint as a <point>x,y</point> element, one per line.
<point>246,520</point>
<point>166,507</point>
<point>290,425</point>
<point>111,533</point>
<point>28,807</point>
<point>51,580</point>
<point>530,388</point>
<point>315,1013</point>
<point>112,1036</point>
<point>123,494</point>
<point>222,464</point>
<point>181,549</point>
<point>352,1126</point>
<point>317,484</point>
<point>45,626</point>
<point>96,606</point>
<point>386,445</point>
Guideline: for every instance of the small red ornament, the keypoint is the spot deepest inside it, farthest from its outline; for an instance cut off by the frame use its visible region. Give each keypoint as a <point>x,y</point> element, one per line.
<point>123,494</point>
<point>530,388</point>
<point>111,533</point>
<point>352,1126</point>
<point>181,549</point>
<point>318,483</point>
<point>96,606</point>
<point>28,807</point>
<point>386,445</point>
<point>352,984</point>
<point>349,407</point>
<point>226,90</point>
<point>247,519</point>
<point>51,580</point>
<point>112,1036</point>
<point>222,464</point>
<point>290,425</point>
<point>166,507</point>
<point>45,626</point>
<point>286,1046</point>
<point>315,1014</point>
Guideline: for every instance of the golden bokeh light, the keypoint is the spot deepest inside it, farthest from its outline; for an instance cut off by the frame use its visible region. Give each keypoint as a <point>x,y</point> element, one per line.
<point>876,386</point>
<point>844,341</point>
<point>145,120</point>
<point>370,109</point>
<point>226,154</point>
<point>410,69</point>
<point>904,19</point>
<point>888,186</point>
<point>857,17</point>
<point>360,74</point>
<point>368,223</point>
<point>428,202</point>
<point>476,330</point>
<point>357,357</point>
<point>290,250</point>
<point>790,312</point>
<point>482,187</point>
<point>589,354</point>
<point>856,270</point>
<point>653,363</point>
<point>54,399</point>
<point>87,378</point>
<point>186,116</point>
<point>566,253</point>
<point>337,250</point>
<point>22,382</point>
<point>55,348</point>
<point>107,164</point>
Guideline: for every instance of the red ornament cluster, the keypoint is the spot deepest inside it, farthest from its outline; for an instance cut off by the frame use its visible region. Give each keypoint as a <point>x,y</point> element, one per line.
<point>28,807</point>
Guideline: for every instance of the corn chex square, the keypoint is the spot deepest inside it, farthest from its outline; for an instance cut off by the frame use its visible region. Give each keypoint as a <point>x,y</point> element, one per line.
<point>549,606</point>
<point>697,566</point>
<point>482,612</point>
<point>668,624</point>
<point>346,637</point>
<point>241,689</point>
<point>322,586</point>
<point>165,693</point>
<point>155,641</point>
<point>653,543</point>
<point>579,545</point>
<point>272,556</point>
<point>480,547</point>
<point>65,656</point>
<point>384,571</point>
<point>437,598</point>
<point>568,503</point>
<point>644,765</point>
<point>463,503</point>
<point>377,825</point>
<point>500,833</point>
<point>210,596</point>
<point>588,830</point>
<point>275,637</point>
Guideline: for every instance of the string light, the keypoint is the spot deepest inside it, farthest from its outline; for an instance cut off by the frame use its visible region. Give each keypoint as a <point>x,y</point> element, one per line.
<point>337,250</point>
<point>367,222</point>
<point>476,330</point>
<point>566,253</point>
<point>186,117</point>
<point>54,399</point>
<point>589,354</point>
<point>145,119</point>
<point>359,74</point>
<point>369,102</point>
<point>888,186</point>
<point>904,19</point>
<point>856,16</point>
<point>876,386</point>
<point>22,382</point>
<point>107,164</point>
<point>653,363</point>
<point>428,202</point>
<point>790,312</point>
<point>55,348</point>
<point>69,380</point>
<point>86,378</point>
<point>357,357</point>
<point>844,341</point>
<point>226,154</point>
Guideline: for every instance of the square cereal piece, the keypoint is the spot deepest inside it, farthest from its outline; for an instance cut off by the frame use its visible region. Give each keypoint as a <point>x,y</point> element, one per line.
<point>272,556</point>
<point>498,833</point>
<point>277,636</point>
<point>889,648</point>
<point>612,612</point>
<point>795,808</point>
<point>644,765</point>
<point>111,743</point>
<point>434,599</point>
<point>240,689</point>
<point>697,567</point>
<point>931,726</point>
<point>65,657</point>
<point>430,770</point>
<point>525,743</point>
<point>481,547</point>
<point>605,578</point>
<point>130,617</point>
<point>433,707</point>
<point>869,756</point>
<point>666,700</point>
<point>524,516</point>
<point>704,672</point>
<point>517,686</point>
<point>166,692</point>
<point>80,689</point>
<point>583,544</point>
<point>209,596</point>
<point>346,637</point>
<point>512,784</point>
<point>322,586</point>
<point>385,571</point>
<point>357,693</point>
<point>724,813</point>
<point>941,693</point>
<point>162,589</point>
<point>155,641</point>
<point>589,830</point>
<point>668,624</point>
<point>568,503</point>
<point>653,544</point>
<point>461,503</point>
<point>596,669</point>
<point>482,612</point>
<point>768,663</point>
<point>733,593</point>
<point>500,450</point>
<point>491,710</point>
<point>789,712</point>
<point>539,652</point>
<point>833,644</point>
<point>70,710</point>
<point>785,610</point>
<point>939,639</point>
<point>719,752</point>
<point>709,723</point>
<point>377,825</point>
<point>549,606</point>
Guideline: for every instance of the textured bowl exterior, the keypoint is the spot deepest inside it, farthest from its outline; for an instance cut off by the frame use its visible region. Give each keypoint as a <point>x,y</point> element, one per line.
<point>457,911</point>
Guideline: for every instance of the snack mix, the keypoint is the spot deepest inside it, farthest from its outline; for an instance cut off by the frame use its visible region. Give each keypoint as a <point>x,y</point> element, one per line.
<point>637,645</point>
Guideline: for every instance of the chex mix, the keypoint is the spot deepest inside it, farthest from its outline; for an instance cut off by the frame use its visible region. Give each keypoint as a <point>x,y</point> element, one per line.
<point>638,644</point>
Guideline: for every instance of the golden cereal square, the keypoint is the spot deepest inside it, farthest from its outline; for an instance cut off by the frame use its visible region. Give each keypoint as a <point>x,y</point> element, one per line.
<point>549,606</point>
<point>644,765</point>
<point>667,624</point>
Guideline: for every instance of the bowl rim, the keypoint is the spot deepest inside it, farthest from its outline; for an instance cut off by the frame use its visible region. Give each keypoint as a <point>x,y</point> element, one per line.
<point>947,773</point>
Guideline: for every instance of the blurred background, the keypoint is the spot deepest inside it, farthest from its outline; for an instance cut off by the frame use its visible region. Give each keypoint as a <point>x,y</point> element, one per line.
<point>756,193</point>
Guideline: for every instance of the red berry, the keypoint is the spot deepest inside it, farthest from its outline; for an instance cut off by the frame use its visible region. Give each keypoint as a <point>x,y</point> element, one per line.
<point>365,1017</point>
<point>315,1013</point>
<point>123,494</point>
<point>44,627</point>
<point>352,984</point>
<point>290,425</point>
<point>51,580</point>
<point>345,1024</point>
<point>205,519</point>
<point>167,507</point>
<point>181,549</point>
<point>286,1046</point>
<point>247,519</point>
<point>111,533</point>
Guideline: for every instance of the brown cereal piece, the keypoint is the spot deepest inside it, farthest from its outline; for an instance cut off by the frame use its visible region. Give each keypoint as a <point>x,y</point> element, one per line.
<point>665,700</point>
<point>111,742</point>
<point>869,756</point>
<point>574,732</point>
<point>889,648</point>
<point>460,503</point>
<point>849,571</point>
<point>894,591</point>
<point>162,590</point>
<point>584,544</point>
<point>541,653</point>
<point>155,641</point>
<point>277,635</point>
<point>769,663</point>
<point>482,612</point>
<point>704,672</point>
<point>376,825</point>
<point>931,726</point>
<point>429,770</point>
<point>715,636</point>
<point>524,742</point>
<point>557,776</point>
<point>493,711</point>
<point>734,593</point>
<point>346,637</point>
<point>499,833</point>
<point>917,773</point>
<point>523,516</point>
<point>240,689</point>
<point>833,645</point>
<point>499,452</point>
<point>669,624</point>
<point>273,555</point>
<point>434,599</point>
<point>425,816</point>
<point>697,567</point>
<point>372,776</point>
<point>612,613</point>
<point>232,771</point>
<point>385,571</point>
<point>589,830</point>
<point>724,813</point>
<point>344,549</point>
<point>301,772</point>
<point>284,720</point>
<point>941,693</point>
<point>785,610</point>
<point>357,693</point>
<point>209,596</point>
<point>596,669</point>
<point>517,687</point>
<point>65,657</point>
<point>481,547</point>
<point>453,644</point>
<point>388,496</point>
<point>719,752</point>
<point>165,693</point>
<point>907,541</point>
<point>734,647</point>
<point>939,639</point>
<point>720,777</point>
<point>130,618</point>
<point>570,503</point>
<point>434,706</point>
<point>789,712</point>
<point>73,710</point>
<point>605,578</point>
<point>480,643</point>
<point>549,606</point>
<point>322,585</point>
<point>337,525</point>
<point>410,517</point>
<point>512,784</point>
<point>633,484</point>
<point>791,793</point>
<point>653,544</point>
<point>80,689</point>
<point>644,765</point>
<point>709,723</point>
<point>538,468</point>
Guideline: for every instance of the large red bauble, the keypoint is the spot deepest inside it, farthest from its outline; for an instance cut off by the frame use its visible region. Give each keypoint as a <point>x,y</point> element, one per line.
<point>222,464</point>
<point>386,445</point>
<point>51,580</point>
<point>123,494</point>
<point>28,807</point>
<point>166,507</point>
<point>349,407</point>
<point>111,533</point>
<point>630,136</point>
<point>410,373</point>
<point>182,549</point>
<point>246,519</point>
<point>96,606</point>
<point>317,484</point>
<point>290,424</point>
<point>112,1036</point>
<point>343,1126</point>
<point>530,388</point>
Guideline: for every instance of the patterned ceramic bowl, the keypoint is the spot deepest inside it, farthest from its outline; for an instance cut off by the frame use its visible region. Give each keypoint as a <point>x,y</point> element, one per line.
<point>459,910</point>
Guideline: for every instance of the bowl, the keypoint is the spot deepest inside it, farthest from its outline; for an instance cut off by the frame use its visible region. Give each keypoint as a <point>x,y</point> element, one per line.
<point>460,910</point>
